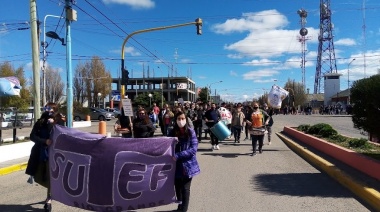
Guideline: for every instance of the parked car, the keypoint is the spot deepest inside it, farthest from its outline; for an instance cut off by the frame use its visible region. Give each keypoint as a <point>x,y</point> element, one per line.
<point>7,114</point>
<point>115,112</point>
<point>95,114</point>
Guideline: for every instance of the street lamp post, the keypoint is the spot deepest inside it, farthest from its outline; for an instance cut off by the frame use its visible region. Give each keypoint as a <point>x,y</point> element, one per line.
<point>209,89</point>
<point>99,96</point>
<point>348,80</point>
<point>198,23</point>
<point>44,46</point>
<point>150,100</point>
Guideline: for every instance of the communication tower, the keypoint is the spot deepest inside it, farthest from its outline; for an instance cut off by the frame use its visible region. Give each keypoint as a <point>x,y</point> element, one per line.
<point>302,38</point>
<point>326,62</point>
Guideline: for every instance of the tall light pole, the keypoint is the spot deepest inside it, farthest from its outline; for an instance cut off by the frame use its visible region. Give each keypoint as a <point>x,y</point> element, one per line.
<point>198,23</point>
<point>44,46</point>
<point>99,96</point>
<point>71,15</point>
<point>348,73</point>
<point>209,88</point>
<point>150,100</point>
<point>348,80</point>
<point>162,87</point>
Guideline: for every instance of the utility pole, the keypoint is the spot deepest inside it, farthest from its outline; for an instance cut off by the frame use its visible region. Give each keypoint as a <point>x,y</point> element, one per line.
<point>71,15</point>
<point>35,59</point>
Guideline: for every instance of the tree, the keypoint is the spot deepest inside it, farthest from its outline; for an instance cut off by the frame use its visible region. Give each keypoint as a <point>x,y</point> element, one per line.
<point>22,102</point>
<point>297,95</point>
<point>204,94</point>
<point>92,78</point>
<point>263,99</point>
<point>54,85</point>
<point>144,99</point>
<point>365,98</point>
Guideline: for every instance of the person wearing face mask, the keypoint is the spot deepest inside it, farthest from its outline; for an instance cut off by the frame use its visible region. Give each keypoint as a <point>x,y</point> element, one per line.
<point>142,125</point>
<point>237,123</point>
<point>256,122</point>
<point>185,156</point>
<point>38,163</point>
<point>211,118</point>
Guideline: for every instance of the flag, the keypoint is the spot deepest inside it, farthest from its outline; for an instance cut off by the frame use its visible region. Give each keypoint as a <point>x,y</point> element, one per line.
<point>10,86</point>
<point>276,95</point>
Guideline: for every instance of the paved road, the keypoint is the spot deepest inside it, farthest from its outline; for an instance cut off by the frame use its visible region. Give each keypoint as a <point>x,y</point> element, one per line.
<point>231,180</point>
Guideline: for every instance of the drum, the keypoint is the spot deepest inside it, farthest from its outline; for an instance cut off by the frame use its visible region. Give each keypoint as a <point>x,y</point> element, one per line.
<point>220,130</point>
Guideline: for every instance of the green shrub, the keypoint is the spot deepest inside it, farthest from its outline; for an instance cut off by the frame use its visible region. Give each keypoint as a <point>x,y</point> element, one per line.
<point>339,138</point>
<point>317,127</point>
<point>303,127</point>
<point>327,132</point>
<point>359,143</point>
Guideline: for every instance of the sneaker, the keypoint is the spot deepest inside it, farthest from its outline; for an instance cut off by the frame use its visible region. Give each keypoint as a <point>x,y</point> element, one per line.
<point>217,147</point>
<point>260,151</point>
<point>253,154</point>
<point>212,147</point>
<point>238,141</point>
<point>246,138</point>
<point>269,143</point>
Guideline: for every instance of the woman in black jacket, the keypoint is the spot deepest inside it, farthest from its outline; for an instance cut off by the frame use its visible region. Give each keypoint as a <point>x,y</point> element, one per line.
<point>142,125</point>
<point>38,164</point>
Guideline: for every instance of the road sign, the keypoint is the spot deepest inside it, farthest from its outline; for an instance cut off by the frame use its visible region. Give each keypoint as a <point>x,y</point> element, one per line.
<point>115,92</point>
<point>127,107</point>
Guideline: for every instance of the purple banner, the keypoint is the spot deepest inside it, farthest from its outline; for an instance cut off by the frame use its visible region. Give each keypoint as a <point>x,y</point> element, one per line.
<point>96,173</point>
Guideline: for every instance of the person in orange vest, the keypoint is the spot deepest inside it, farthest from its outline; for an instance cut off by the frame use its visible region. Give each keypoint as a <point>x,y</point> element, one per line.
<point>256,122</point>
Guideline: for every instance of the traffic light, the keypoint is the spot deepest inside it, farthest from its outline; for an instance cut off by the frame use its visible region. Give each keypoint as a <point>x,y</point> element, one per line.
<point>124,76</point>
<point>199,25</point>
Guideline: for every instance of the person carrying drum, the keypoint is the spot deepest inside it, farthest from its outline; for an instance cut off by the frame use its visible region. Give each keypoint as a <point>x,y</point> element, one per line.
<point>211,118</point>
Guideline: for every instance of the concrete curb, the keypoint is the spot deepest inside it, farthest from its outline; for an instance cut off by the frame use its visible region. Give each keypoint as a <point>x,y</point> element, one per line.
<point>369,195</point>
<point>13,168</point>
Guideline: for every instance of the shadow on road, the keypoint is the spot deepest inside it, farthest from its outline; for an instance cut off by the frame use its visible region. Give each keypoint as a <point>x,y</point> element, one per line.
<point>12,208</point>
<point>298,184</point>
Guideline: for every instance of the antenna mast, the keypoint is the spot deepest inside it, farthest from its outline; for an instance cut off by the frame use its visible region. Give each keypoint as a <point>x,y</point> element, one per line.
<point>326,62</point>
<point>303,32</point>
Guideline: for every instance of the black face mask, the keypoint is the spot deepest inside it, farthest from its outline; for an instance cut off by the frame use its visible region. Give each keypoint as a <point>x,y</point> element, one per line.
<point>255,108</point>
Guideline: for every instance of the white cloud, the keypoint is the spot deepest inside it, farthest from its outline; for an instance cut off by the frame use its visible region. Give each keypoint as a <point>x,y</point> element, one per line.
<point>257,76</point>
<point>135,4</point>
<point>262,62</point>
<point>267,36</point>
<point>127,50</point>
<point>233,73</point>
<point>345,42</point>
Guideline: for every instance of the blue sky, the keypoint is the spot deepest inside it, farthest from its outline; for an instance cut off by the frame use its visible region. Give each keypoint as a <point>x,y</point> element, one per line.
<point>247,44</point>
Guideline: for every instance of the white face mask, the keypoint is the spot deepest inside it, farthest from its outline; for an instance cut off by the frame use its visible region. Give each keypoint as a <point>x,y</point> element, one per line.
<point>181,123</point>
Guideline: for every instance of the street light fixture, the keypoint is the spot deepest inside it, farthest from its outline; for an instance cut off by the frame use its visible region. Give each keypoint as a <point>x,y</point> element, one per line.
<point>99,96</point>
<point>150,100</point>
<point>348,80</point>
<point>348,73</point>
<point>209,88</point>
<point>44,46</point>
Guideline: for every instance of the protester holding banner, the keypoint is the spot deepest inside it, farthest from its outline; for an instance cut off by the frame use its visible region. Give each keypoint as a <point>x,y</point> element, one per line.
<point>38,165</point>
<point>142,126</point>
<point>257,121</point>
<point>185,156</point>
<point>123,125</point>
